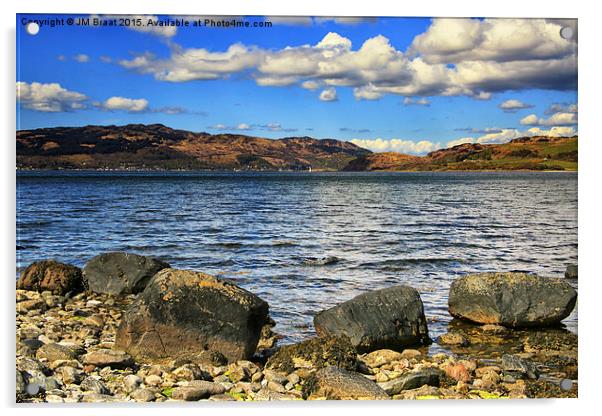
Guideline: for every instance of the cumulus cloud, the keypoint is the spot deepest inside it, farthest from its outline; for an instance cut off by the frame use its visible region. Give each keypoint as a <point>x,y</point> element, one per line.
<point>412,101</point>
<point>461,140</point>
<point>329,94</point>
<point>132,105</point>
<point>512,106</point>
<point>557,119</point>
<point>470,57</point>
<point>51,97</point>
<point>397,145</point>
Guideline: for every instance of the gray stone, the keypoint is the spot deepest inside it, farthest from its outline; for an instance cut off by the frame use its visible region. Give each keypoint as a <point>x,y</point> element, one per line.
<point>182,314</point>
<point>70,375</point>
<point>334,383</point>
<point>513,365</point>
<point>143,395</point>
<point>413,380</point>
<point>120,273</point>
<point>387,318</point>
<point>94,385</point>
<point>131,382</point>
<point>53,352</point>
<point>511,299</point>
<point>106,357</point>
<point>197,390</point>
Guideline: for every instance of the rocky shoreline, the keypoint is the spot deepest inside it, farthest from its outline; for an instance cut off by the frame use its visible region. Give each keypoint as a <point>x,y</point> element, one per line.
<point>75,344</point>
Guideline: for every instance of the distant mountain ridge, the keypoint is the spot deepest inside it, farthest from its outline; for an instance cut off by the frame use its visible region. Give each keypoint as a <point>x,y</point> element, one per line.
<point>525,153</point>
<point>155,146</point>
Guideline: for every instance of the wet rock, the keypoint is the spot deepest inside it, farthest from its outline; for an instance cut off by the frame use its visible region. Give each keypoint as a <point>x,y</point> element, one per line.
<point>120,273</point>
<point>143,395</point>
<point>453,338</point>
<point>513,364</point>
<point>413,380</point>
<point>106,357</point>
<point>387,318</point>
<point>511,299</point>
<point>571,271</point>
<point>183,313</point>
<point>379,358</point>
<point>50,275</point>
<point>337,384</point>
<point>94,385</point>
<point>53,352</point>
<point>315,353</point>
<point>197,390</point>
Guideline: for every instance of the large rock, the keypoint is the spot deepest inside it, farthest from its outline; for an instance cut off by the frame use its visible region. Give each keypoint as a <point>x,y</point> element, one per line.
<point>184,314</point>
<point>120,273</point>
<point>333,383</point>
<point>315,353</point>
<point>386,318</point>
<point>58,278</point>
<point>511,299</point>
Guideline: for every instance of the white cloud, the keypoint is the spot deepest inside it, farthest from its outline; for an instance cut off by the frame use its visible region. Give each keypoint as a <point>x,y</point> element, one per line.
<point>49,97</point>
<point>397,145</point>
<point>556,131</point>
<point>131,105</point>
<point>453,57</point>
<point>512,106</point>
<point>329,94</point>
<point>454,40</point>
<point>310,85</point>
<point>557,119</point>
<point>82,58</point>
<point>420,101</point>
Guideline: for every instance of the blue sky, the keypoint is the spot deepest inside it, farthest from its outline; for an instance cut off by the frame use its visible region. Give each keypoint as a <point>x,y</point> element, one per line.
<point>417,84</point>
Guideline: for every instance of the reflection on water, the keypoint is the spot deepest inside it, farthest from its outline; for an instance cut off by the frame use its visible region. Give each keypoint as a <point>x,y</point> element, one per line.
<point>421,229</point>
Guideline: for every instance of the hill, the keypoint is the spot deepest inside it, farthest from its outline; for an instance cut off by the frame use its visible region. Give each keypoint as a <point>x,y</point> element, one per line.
<point>525,153</point>
<point>155,146</point>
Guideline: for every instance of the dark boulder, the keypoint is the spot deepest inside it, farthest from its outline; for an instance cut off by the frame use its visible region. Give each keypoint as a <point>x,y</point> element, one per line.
<point>511,299</point>
<point>120,273</point>
<point>59,278</point>
<point>387,318</point>
<point>184,314</point>
<point>571,271</point>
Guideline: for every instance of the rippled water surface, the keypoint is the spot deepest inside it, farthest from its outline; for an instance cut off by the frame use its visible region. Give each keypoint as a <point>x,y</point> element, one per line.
<point>260,229</point>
